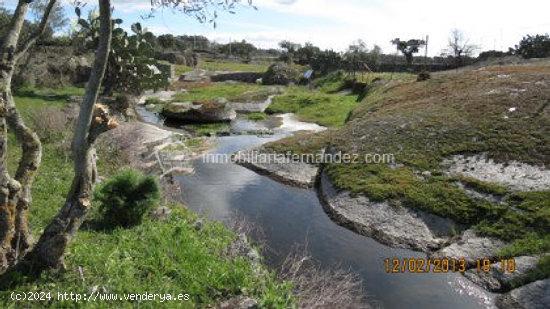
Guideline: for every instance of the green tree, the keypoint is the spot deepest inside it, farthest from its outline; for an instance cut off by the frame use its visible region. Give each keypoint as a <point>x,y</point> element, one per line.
<point>305,54</point>
<point>167,41</point>
<point>327,61</point>
<point>534,46</point>
<point>289,50</point>
<point>241,49</point>
<point>408,48</point>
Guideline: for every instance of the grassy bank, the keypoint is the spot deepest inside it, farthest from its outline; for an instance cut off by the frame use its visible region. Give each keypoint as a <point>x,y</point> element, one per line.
<point>499,111</point>
<point>155,257</point>
<point>325,105</point>
<point>233,92</point>
<point>325,109</point>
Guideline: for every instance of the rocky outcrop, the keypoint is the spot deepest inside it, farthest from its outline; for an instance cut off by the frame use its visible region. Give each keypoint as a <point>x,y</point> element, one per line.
<point>199,112</point>
<point>535,295</point>
<point>53,66</point>
<point>515,175</point>
<point>278,167</point>
<point>471,247</point>
<point>497,280</point>
<point>394,226</point>
<point>251,107</point>
<point>172,57</point>
<point>195,76</point>
<point>162,96</point>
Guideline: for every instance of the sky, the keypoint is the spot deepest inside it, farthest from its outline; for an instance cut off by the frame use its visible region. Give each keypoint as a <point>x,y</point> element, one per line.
<point>334,24</point>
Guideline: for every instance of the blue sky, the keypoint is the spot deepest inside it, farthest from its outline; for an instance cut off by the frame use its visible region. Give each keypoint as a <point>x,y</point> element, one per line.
<point>490,24</point>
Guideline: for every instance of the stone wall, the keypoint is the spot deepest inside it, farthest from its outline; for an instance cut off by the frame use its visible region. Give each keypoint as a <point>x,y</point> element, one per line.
<point>246,77</point>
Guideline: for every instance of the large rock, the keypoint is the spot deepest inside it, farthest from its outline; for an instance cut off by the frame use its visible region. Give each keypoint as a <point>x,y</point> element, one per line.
<point>172,57</point>
<point>535,295</point>
<point>471,247</point>
<point>53,66</point>
<point>394,226</point>
<point>199,112</point>
<point>497,280</point>
<point>277,167</point>
<point>281,74</point>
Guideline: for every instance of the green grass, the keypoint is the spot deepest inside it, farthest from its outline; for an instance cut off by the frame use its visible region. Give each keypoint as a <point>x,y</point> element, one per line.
<point>221,65</point>
<point>483,186</point>
<point>329,110</point>
<point>155,257</point>
<point>182,69</point>
<point>256,116</point>
<point>338,80</point>
<point>233,92</point>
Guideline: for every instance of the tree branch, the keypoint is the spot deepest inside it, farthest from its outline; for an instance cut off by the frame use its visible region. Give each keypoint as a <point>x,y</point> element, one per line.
<point>36,35</point>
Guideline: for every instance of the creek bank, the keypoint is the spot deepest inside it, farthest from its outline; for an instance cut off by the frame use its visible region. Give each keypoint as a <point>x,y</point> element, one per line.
<point>292,173</point>
<point>395,226</point>
<point>498,279</point>
<point>534,295</point>
<point>403,227</point>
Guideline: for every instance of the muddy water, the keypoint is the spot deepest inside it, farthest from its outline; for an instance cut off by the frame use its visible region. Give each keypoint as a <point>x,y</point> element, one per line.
<point>291,216</point>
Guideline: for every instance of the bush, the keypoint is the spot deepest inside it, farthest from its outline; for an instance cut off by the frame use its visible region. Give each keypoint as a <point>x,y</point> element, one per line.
<point>422,76</point>
<point>537,46</point>
<point>126,197</point>
<point>281,74</point>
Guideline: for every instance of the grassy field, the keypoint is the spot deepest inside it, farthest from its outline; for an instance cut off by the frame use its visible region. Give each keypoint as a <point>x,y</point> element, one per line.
<point>498,111</point>
<point>223,65</point>
<point>182,69</point>
<point>155,257</point>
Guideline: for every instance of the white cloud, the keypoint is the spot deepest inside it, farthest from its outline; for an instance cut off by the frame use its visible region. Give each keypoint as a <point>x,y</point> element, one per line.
<point>489,23</point>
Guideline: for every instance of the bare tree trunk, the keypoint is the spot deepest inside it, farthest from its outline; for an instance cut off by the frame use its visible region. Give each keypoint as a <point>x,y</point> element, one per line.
<point>28,165</point>
<point>50,248</point>
<point>9,187</point>
<point>15,193</point>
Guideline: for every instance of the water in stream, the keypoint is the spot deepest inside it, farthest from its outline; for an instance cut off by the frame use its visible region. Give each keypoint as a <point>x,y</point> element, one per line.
<point>291,216</point>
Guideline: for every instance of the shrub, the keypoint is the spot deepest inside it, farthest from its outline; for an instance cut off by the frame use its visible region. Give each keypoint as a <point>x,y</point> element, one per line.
<point>422,76</point>
<point>281,74</point>
<point>537,46</point>
<point>126,197</point>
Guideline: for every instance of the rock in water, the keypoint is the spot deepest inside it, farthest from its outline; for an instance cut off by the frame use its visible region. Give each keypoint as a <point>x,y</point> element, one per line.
<point>199,112</point>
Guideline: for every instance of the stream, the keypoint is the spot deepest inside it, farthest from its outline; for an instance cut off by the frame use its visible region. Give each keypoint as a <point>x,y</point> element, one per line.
<point>290,217</point>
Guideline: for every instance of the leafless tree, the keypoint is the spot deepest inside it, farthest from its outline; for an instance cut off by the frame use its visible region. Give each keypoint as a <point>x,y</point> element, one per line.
<point>459,46</point>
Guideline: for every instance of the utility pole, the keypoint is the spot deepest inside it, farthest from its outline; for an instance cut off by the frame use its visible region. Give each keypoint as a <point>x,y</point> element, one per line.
<point>426,55</point>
